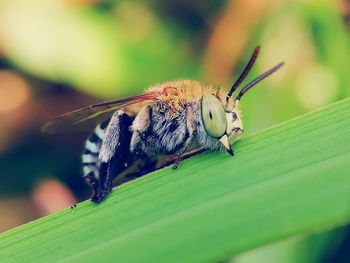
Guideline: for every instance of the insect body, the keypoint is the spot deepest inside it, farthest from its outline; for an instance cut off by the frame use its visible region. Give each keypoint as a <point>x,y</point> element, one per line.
<point>139,134</point>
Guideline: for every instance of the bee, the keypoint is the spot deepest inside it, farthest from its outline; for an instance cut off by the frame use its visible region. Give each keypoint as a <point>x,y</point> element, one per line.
<point>168,122</point>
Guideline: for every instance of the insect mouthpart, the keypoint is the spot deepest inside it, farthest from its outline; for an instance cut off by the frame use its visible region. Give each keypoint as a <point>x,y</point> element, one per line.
<point>226,143</point>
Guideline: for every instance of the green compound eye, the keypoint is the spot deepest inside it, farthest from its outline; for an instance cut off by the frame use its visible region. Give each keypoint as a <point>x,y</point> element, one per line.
<point>213,116</point>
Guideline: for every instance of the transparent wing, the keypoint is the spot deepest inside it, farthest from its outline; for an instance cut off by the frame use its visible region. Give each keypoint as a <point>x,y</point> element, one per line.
<point>88,118</point>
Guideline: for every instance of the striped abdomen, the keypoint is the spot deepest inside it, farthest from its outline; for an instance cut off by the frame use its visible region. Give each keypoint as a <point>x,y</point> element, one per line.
<point>90,156</point>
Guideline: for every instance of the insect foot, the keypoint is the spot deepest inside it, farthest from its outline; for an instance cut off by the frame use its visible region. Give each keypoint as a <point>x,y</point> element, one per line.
<point>100,197</point>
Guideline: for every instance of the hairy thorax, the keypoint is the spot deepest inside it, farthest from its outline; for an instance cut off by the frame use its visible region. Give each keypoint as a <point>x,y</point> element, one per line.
<point>165,126</point>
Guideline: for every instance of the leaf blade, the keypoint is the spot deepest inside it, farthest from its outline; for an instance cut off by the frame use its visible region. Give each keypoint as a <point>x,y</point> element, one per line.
<point>288,180</point>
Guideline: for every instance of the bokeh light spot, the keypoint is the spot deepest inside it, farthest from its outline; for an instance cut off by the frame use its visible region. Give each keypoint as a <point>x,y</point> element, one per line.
<point>14,91</point>
<point>316,86</point>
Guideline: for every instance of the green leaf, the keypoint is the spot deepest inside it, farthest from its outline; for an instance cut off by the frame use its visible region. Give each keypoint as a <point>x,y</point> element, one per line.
<point>289,180</point>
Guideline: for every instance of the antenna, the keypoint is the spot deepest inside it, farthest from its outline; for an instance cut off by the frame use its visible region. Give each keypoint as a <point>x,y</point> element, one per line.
<point>258,79</point>
<point>245,72</point>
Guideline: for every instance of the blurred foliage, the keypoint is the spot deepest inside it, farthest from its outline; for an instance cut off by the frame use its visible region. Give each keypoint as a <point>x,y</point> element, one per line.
<point>58,55</point>
<point>104,52</point>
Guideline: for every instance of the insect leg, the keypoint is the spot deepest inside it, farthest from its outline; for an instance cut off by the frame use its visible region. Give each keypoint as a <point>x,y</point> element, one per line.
<point>103,189</point>
<point>181,152</point>
<point>192,130</point>
<point>95,185</point>
<point>115,153</point>
<point>140,125</point>
<point>105,182</point>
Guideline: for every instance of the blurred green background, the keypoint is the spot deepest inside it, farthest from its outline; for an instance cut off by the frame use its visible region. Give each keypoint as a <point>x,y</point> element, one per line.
<point>59,55</point>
